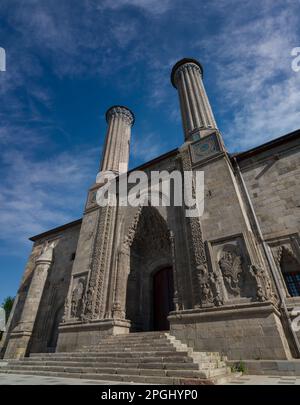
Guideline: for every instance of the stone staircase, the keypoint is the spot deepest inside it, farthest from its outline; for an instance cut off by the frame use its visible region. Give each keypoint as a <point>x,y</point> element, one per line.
<point>148,357</point>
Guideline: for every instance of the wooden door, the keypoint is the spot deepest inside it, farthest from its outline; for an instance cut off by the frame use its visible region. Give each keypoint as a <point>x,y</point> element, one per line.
<point>162,298</point>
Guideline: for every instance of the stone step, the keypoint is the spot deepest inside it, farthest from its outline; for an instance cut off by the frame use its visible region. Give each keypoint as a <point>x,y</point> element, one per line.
<point>124,356</point>
<point>137,348</point>
<point>130,373</point>
<point>140,353</point>
<point>124,345</point>
<point>141,334</point>
<point>147,357</point>
<point>131,341</point>
<point>115,377</point>
<point>140,365</point>
<point>169,366</point>
<point>110,370</point>
<point>142,359</point>
<point>137,335</point>
<point>108,363</point>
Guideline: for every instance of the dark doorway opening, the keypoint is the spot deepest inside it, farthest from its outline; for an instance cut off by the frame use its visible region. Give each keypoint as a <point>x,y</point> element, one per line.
<point>162,298</point>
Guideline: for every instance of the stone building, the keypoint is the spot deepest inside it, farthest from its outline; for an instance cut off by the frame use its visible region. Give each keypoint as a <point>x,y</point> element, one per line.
<point>226,281</point>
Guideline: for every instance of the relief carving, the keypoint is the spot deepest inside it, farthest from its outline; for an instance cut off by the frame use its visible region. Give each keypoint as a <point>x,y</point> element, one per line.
<point>93,302</point>
<point>285,252</point>
<point>77,298</point>
<point>263,284</point>
<point>66,310</point>
<point>201,295</point>
<point>118,311</point>
<point>230,264</point>
<point>209,287</point>
<point>215,280</point>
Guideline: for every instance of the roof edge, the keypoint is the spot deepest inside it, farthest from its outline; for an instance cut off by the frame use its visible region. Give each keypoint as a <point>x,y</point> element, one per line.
<point>268,145</point>
<point>55,230</point>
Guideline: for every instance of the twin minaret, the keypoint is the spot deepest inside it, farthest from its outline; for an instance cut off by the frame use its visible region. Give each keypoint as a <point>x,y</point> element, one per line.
<point>197,117</point>
<point>116,151</point>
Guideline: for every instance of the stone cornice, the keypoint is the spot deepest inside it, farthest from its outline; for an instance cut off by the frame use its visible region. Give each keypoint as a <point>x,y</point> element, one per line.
<point>121,112</point>
<point>185,64</point>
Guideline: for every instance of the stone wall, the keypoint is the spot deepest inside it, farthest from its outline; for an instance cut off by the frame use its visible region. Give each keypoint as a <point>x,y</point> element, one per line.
<point>44,335</point>
<point>272,178</point>
<point>239,332</point>
<point>52,305</point>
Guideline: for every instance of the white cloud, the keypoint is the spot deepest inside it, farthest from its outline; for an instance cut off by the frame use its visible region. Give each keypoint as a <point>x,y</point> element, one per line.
<point>254,77</point>
<point>38,194</point>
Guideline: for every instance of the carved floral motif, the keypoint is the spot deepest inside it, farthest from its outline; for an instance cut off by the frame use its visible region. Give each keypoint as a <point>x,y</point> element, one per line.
<point>230,264</point>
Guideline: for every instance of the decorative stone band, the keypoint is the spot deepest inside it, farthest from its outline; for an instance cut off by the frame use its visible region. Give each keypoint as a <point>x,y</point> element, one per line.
<point>184,65</point>
<point>121,112</point>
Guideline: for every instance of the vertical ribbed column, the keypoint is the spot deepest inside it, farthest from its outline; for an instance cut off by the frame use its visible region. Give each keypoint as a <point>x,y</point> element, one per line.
<point>21,334</point>
<point>36,288</point>
<point>116,151</point>
<point>197,115</point>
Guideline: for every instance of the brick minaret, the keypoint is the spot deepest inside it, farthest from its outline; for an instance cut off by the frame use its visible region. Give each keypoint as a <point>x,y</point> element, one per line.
<point>197,115</point>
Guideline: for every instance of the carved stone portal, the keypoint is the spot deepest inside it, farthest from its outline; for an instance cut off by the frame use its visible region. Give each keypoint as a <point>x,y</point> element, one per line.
<point>146,247</point>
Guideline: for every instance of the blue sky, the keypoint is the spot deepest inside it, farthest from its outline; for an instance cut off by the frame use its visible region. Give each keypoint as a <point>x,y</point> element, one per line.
<point>68,61</point>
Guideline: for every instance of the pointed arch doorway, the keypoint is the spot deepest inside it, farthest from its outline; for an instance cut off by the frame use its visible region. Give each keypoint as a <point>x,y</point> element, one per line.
<point>149,284</point>
<point>162,298</point>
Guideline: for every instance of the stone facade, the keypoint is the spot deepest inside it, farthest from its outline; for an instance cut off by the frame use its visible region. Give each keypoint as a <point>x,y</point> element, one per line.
<point>231,286</point>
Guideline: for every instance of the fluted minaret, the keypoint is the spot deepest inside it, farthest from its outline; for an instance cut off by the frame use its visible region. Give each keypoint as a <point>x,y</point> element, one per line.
<point>116,151</point>
<point>197,115</point>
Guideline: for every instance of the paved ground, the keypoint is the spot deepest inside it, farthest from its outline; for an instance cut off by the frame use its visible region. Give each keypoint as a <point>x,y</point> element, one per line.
<point>265,380</point>
<point>18,379</point>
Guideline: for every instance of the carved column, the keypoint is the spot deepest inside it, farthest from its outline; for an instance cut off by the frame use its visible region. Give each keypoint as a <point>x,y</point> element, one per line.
<point>21,335</point>
<point>95,297</point>
<point>197,115</point>
<point>176,299</point>
<point>123,267</point>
